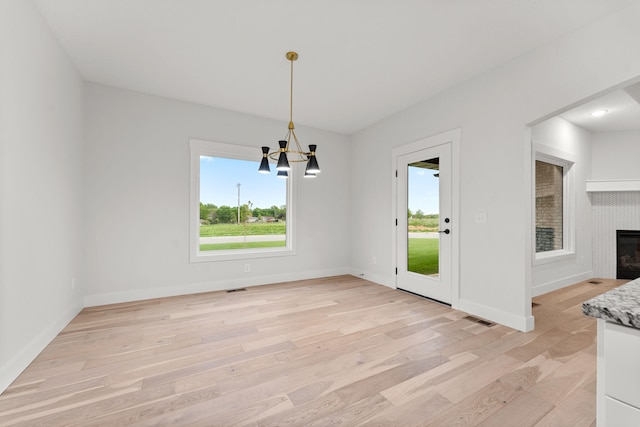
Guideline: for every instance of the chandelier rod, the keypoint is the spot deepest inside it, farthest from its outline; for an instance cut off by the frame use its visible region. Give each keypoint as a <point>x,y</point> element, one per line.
<point>292,58</point>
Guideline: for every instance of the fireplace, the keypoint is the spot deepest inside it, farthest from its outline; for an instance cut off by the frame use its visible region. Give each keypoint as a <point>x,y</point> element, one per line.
<point>627,254</point>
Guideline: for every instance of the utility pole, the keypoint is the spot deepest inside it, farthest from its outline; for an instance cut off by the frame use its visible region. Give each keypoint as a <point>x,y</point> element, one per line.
<point>238,203</point>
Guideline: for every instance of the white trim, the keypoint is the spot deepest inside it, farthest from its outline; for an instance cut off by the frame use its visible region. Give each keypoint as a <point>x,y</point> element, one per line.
<point>524,324</point>
<point>208,286</point>
<point>552,153</point>
<point>389,282</point>
<point>613,185</point>
<point>12,369</point>
<point>557,157</point>
<point>561,283</point>
<point>553,256</point>
<point>199,148</point>
<point>453,137</point>
<point>529,218</point>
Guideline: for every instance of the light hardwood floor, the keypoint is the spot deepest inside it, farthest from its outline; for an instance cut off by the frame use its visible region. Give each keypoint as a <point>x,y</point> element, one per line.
<point>327,352</point>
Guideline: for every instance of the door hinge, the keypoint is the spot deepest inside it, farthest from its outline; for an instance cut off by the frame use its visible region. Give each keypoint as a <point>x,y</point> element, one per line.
<point>396,173</point>
<point>396,270</point>
<point>396,222</point>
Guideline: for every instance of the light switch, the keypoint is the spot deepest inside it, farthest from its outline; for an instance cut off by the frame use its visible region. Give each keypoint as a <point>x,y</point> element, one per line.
<point>481,217</point>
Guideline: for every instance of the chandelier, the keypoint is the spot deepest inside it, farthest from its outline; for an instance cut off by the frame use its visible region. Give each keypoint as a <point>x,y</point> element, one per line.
<point>288,153</point>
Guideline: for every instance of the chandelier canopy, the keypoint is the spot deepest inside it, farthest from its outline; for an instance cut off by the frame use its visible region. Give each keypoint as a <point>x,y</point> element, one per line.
<point>288,153</point>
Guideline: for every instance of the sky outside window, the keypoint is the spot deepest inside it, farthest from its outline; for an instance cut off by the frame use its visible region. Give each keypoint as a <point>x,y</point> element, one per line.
<point>219,178</point>
<point>423,190</point>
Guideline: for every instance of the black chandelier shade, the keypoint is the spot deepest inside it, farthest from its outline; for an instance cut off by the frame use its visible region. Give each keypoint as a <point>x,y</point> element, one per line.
<point>264,164</point>
<point>283,162</point>
<point>312,164</point>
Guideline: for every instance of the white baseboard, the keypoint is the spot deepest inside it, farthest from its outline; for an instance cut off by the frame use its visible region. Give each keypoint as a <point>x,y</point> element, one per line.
<point>389,282</point>
<point>11,370</point>
<point>209,286</point>
<point>543,288</point>
<point>524,324</point>
<point>521,323</point>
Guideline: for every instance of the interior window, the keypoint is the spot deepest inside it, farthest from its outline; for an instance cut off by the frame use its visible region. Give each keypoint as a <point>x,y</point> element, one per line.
<point>549,206</point>
<point>554,204</point>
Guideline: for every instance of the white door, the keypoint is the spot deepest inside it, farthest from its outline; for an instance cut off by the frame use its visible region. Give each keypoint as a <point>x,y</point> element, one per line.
<point>424,223</point>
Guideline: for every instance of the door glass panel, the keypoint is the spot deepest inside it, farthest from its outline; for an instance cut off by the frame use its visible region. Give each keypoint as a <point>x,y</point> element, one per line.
<point>423,201</point>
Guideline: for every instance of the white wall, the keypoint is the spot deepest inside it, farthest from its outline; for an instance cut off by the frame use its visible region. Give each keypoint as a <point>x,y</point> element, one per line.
<point>41,221</point>
<point>611,211</point>
<point>137,180</point>
<point>493,111</point>
<point>615,155</point>
<point>576,141</point>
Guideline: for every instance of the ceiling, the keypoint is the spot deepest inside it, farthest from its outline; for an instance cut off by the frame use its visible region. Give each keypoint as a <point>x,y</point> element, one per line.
<point>360,60</point>
<point>622,108</point>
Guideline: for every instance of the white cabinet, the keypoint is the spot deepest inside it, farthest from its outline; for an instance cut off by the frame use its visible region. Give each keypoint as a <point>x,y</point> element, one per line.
<point>618,375</point>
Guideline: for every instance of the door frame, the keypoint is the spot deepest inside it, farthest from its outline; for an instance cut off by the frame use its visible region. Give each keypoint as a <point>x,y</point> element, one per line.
<point>453,137</point>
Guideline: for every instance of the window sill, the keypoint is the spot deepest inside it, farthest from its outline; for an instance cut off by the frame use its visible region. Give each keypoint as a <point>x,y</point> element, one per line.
<point>553,256</point>
<point>213,256</point>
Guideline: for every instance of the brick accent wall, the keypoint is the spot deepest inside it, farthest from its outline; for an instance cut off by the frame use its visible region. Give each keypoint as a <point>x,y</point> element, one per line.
<point>549,209</point>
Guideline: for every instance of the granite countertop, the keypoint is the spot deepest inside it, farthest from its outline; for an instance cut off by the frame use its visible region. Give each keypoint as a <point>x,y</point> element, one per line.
<point>620,305</point>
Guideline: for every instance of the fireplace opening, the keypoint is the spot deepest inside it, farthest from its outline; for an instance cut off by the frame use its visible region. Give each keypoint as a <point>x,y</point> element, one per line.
<point>627,254</point>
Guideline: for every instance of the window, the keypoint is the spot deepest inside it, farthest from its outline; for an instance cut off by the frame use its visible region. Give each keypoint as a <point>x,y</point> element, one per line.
<point>236,213</point>
<point>554,234</point>
<point>549,206</point>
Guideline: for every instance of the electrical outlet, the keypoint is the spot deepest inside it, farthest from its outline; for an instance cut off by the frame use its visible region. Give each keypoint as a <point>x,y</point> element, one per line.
<point>247,268</point>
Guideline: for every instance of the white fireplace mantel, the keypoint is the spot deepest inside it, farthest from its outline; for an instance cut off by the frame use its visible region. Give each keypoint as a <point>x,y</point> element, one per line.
<point>613,185</point>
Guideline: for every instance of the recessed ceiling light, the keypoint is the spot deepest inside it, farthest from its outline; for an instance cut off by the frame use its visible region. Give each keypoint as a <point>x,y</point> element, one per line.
<point>599,113</point>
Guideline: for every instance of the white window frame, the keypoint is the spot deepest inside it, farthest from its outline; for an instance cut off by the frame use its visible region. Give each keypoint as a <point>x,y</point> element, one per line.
<point>239,152</point>
<point>547,154</point>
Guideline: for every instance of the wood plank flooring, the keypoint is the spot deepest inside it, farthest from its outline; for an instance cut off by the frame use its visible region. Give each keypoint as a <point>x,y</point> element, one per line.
<point>327,352</point>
